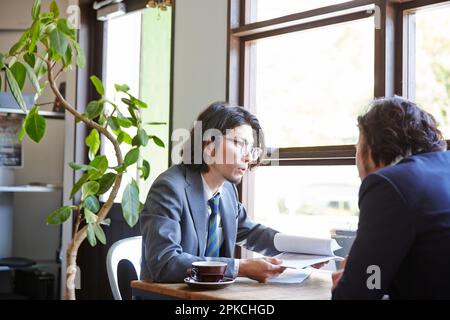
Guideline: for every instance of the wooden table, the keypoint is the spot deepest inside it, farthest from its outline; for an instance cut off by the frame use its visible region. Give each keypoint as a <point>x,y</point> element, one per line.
<point>316,287</point>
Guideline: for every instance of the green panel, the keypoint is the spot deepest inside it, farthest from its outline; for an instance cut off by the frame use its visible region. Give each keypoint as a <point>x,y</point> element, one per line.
<point>155,88</point>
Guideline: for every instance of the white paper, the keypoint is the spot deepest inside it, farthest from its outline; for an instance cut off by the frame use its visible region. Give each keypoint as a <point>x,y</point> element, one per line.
<point>292,276</point>
<point>288,276</point>
<point>300,252</point>
<point>300,261</point>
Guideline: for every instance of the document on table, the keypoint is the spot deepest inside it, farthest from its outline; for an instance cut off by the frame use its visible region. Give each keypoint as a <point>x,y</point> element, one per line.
<point>299,252</point>
<point>288,276</point>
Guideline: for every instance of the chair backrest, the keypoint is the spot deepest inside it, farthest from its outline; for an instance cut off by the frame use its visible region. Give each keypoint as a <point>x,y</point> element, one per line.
<point>125,249</point>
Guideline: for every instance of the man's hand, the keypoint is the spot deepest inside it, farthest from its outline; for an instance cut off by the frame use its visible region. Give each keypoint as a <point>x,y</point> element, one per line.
<point>260,269</point>
<point>336,276</point>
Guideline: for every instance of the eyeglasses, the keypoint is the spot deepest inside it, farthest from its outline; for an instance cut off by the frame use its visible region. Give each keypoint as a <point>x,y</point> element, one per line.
<point>246,148</point>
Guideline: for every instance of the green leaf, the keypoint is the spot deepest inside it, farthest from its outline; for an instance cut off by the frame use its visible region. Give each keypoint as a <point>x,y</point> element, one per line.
<point>82,167</point>
<point>77,186</point>
<point>20,45</point>
<point>40,67</point>
<point>94,109</point>
<point>2,62</point>
<point>141,138</point>
<point>36,9</point>
<point>131,157</point>
<point>32,77</point>
<point>123,121</point>
<point>81,59</point>
<point>120,169</point>
<point>100,163</point>
<point>46,17</point>
<point>35,33</point>
<point>124,137</point>
<point>60,215</point>
<point>156,123</point>
<point>90,217</point>
<point>130,204</point>
<point>106,222</point>
<point>19,72</point>
<point>35,125</point>
<point>91,203</point>
<point>112,122</point>
<point>97,84</point>
<point>129,103</point>
<point>133,119</point>
<point>145,169</point>
<point>67,57</point>
<point>22,131</point>
<point>30,59</point>
<point>99,233</point>
<point>157,141</point>
<point>54,9</point>
<point>15,90</point>
<point>58,41</point>
<point>122,87</point>
<point>65,27</point>
<point>139,103</point>
<point>89,188</point>
<point>106,182</point>
<point>91,235</point>
<point>93,142</point>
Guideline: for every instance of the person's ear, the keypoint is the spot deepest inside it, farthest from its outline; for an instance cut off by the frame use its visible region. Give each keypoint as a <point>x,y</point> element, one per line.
<point>209,152</point>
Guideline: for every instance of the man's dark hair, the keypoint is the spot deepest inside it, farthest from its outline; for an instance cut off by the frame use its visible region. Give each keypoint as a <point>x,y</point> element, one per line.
<point>222,116</point>
<point>395,127</point>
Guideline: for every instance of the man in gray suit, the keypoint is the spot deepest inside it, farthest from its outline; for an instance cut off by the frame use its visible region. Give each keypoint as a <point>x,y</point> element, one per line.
<point>192,212</point>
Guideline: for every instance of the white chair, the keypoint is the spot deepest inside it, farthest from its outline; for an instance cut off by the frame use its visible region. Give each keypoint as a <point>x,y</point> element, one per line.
<point>125,249</point>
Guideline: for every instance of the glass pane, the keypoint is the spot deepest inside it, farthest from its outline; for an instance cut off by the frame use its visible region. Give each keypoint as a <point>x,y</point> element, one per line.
<point>123,45</point>
<point>155,89</point>
<point>433,64</point>
<point>310,200</point>
<point>308,87</point>
<point>268,9</point>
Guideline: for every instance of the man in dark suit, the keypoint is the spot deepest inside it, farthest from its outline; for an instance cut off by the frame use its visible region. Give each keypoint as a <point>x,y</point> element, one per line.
<point>192,212</point>
<point>403,239</point>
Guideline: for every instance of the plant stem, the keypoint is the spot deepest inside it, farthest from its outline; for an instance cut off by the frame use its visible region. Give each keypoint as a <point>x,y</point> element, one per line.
<point>80,235</point>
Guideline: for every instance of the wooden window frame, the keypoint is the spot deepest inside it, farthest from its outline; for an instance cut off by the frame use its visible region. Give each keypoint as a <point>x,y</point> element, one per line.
<point>389,64</point>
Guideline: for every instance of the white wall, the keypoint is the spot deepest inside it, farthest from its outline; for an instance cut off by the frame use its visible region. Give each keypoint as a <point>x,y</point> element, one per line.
<point>200,57</point>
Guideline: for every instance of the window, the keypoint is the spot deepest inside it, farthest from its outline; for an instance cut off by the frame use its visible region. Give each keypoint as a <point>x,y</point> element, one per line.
<point>322,85</point>
<point>429,68</point>
<point>268,9</point>
<point>306,77</point>
<point>310,200</point>
<point>138,51</point>
<point>307,69</point>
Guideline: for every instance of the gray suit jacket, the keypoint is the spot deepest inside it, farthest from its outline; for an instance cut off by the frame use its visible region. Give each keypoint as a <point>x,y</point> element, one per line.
<point>174,226</point>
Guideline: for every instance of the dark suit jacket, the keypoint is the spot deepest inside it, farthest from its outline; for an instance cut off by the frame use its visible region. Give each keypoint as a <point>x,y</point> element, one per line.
<point>174,226</point>
<point>404,229</point>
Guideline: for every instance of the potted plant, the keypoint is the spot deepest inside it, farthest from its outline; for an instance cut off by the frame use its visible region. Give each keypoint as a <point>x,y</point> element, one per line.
<point>47,48</point>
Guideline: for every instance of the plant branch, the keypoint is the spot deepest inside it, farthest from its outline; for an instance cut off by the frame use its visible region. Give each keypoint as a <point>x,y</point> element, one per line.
<point>80,235</point>
<point>58,73</point>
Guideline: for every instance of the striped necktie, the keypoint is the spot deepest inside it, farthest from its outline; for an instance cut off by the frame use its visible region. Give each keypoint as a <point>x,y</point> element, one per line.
<point>212,246</point>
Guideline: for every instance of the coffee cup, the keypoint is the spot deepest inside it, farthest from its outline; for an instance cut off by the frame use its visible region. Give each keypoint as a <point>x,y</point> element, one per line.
<point>208,271</point>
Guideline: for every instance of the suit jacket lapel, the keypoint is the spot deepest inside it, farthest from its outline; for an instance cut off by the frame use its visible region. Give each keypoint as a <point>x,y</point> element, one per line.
<point>197,204</point>
<point>228,215</point>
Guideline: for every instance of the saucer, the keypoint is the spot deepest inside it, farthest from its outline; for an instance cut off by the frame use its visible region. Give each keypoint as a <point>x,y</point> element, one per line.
<point>209,285</point>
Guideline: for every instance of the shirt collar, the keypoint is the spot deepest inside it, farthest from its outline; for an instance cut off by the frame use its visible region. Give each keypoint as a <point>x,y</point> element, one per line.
<point>207,190</point>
